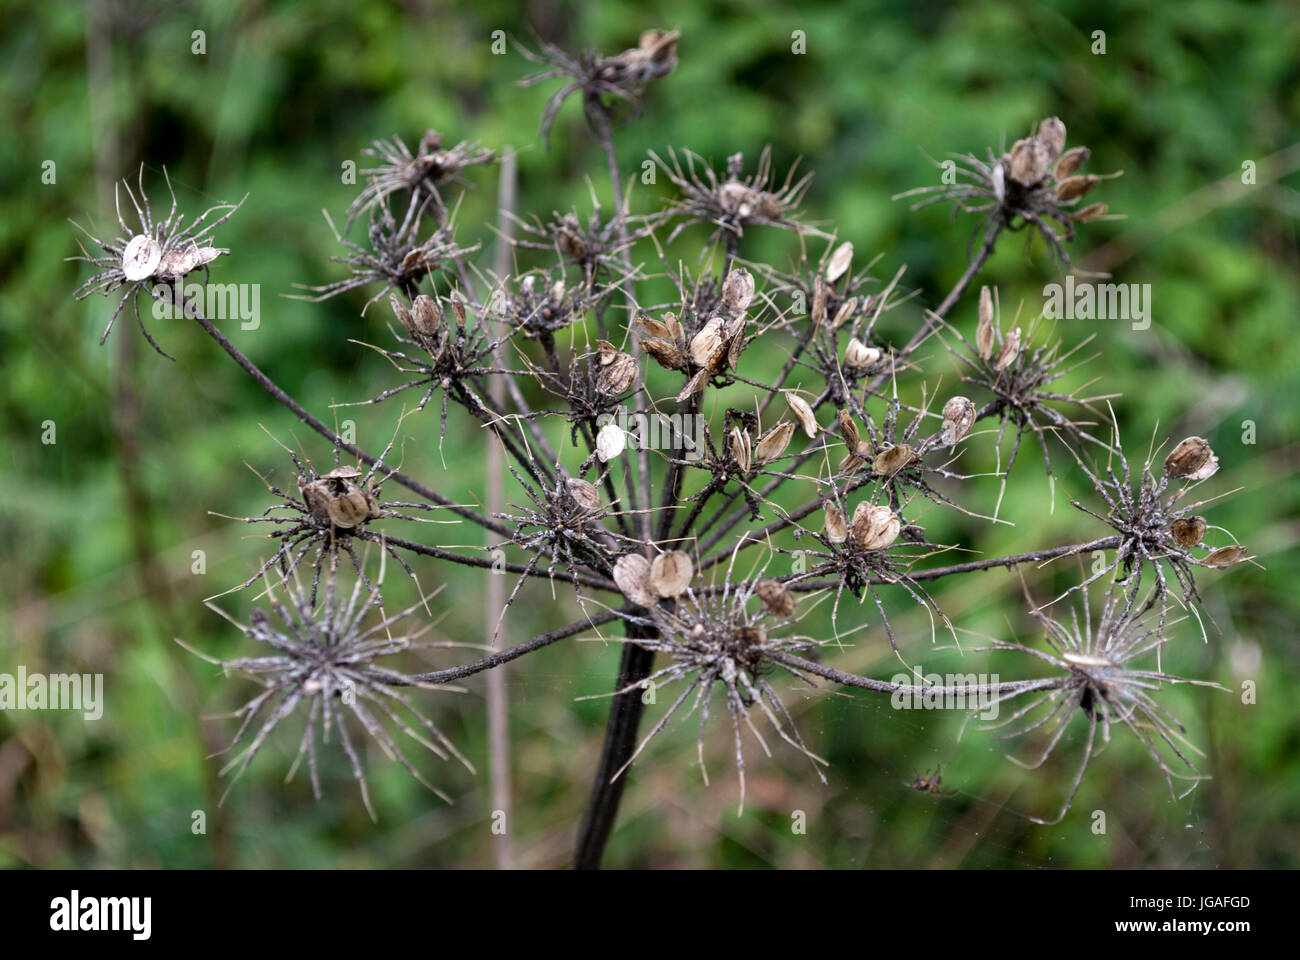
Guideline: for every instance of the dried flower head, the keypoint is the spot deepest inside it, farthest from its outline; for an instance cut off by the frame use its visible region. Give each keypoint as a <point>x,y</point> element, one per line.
<point>421,173</point>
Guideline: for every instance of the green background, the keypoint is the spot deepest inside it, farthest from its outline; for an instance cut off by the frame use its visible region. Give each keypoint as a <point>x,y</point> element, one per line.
<point>98,529</point>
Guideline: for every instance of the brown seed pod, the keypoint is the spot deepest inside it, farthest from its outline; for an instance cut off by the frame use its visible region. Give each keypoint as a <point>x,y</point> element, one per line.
<point>665,353</point>
<point>742,449</point>
<point>1030,160</point>
<point>1051,133</point>
<point>1225,556</point>
<point>958,418</point>
<point>849,430</point>
<point>671,573</point>
<point>632,575</point>
<point>773,443</point>
<point>835,527</point>
<point>859,356</point>
<point>851,463</point>
<point>1070,162</point>
<point>1094,211</point>
<point>776,596</point>
<point>618,375</point>
<point>610,442</point>
<point>403,315</point>
<point>351,508</point>
<point>1188,531</point>
<point>584,494</point>
<point>874,527</point>
<point>1010,350</point>
<point>1074,187</point>
<point>709,345</point>
<point>984,333</point>
<point>738,291</point>
<point>653,328</point>
<point>840,262</point>
<point>819,301</point>
<point>845,311</point>
<point>428,317</point>
<point>1192,459</point>
<point>803,412</point>
<point>889,462</point>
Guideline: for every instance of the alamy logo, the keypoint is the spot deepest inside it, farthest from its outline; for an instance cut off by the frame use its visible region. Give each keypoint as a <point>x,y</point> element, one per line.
<point>58,691</point>
<point>1098,301</point>
<point>75,913</point>
<point>218,301</point>
<point>955,691</point>
<point>657,431</point>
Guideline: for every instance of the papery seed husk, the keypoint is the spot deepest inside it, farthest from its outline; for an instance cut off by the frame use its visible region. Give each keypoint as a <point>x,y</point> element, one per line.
<point>457,308</point>
<point>1188,531</point>
<point>835,528</point>
<point>1030,161</point>
<point>773,443</point>
<point>403,315</point>
<point>1225,556</point>
<point>819,301</point>
<point>1010,350</point>
<point>1052,134</point>
<point>694,384</point>
<point>1074,187</point>
<point>984,332</point>
<point>876,527</point>
<point>845,311</point>
<point>742,449</point>
<point>1094,211</point>
<point>653,328</point>
<point>738,291</point>
<point>735,334</point>
<point>841,260</point>
<point>619,375</point>
<point>584,494</point>
<point>557,291</point>
<point>859,356</point>
<point>141,257</point>
<point>632,576</point>
<point>1192,459</point>
<point>776,596</point>
<point>803,413</point>
<point>610,442</point>
<point>665,352</point>
<point>349,510</point>
<point>958,418</point>
<point>671,573</point>
<point>607,352</point>
<point>848,429</point>
<point>674,326</point>
<point>1070,162</point>
<point>889,462</point>
<point>426,315</point>
<point>708,345</point>
<point>851,463</point>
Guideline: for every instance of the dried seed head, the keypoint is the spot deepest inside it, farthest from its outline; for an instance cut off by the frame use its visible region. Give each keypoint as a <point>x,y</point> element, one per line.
<point>803,412</point>
<point>709,345</point>
<point>841,260</point>
<point>1094,211</point>
<point>1051,132</point>
<point>958,418</point>
<point>835,528</point>
<point>889,462</point>
<point>1226,556</point>
<point>984,333</point>
<point>632,575</point>
<point>1070,162</point>
<point>773,443</point>
<point>610,442</point>
<point>427,315</point>
<point>1192,460</point>
<point>671,573</point>
<point>1074,187</point>
<point>845,311</point>
<point>742,449</point>
<point>777,597</point>
<point>1010,350</point>
<point>874,527</point>
<point>618,373</point>
<point>584,494</point>
<point>859,356</point>
<point>738,291</point>
<point>141,257</point>
<point>1188,531</point>
<point>849,430</point>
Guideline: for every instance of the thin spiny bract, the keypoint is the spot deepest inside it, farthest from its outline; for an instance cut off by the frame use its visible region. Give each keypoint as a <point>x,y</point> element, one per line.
<point>655,451</point>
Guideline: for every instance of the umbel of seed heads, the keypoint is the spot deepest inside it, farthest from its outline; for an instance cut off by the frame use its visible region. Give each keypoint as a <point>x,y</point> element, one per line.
<point>421,173</point>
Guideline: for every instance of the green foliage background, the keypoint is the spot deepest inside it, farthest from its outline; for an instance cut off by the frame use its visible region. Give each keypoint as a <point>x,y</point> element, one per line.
<point>98,529</point>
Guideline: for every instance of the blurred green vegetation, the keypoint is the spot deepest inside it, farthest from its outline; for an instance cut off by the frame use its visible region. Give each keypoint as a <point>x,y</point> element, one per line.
<point>99,528</point>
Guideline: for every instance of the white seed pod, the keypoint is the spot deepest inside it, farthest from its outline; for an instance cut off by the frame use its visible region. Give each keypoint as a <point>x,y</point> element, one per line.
<point>738,291</point>
<point>632,575</point>
<point>1070,162</point>
<point>557,291</point>
<point>835,527</point>
<point>1192,459</point>
<point>671,573</point>
<point>709,345</point>
<point>859,356</point>
<point>803,412</point>
<point>141,257</point>
<point>1010,350</point>
<point>1225,556</point>
<point>874,527</point>
<point>427,315</point>
<point>844,312</point>
<point>610,442</point>
<point>984,337</point>
<point>958,418</point>
<point>841,260</point>
<point>742,449</point>
<point>1188,531</point>
<point>999,180</point>
<point>776,596</point>
<point>773,443</point>
<point>849,430</point>
<point>584,494</point>
<point>889,462</point>
<point>618,375</point>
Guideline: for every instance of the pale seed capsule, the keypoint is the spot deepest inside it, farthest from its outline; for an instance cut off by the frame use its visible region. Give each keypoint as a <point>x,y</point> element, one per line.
<point>742,449</point>
<point>1051,132</point>
<point>665,352</point>
<point>835,528</point>
<point>1030,161</point>
<point>851,463</point>
<point>671,573</point>
<point>674,327</point>
<point>845,311</point>
<point>458,307</point>
<point>1075,187</point>
<point>874,527</point>
<point>632,576</point>
<point>1070,162</point>
<point>426,315</point>
<point>776,597</point>
<point>1225,556</point>
<point>984,332</point>
<point>735,334</point>
<point>849,430</point>
<point>610,442</point>
<point>141,257</point>
<point>738,291</point>
<point>607,352</point>
<point>999,180</point>
<point>708,346</point>
<point>653,328</point>
<point>773,443</point>
<point>819,301</point>
<point>557,291</point>
<point>859,356</point>
<point>584,494</point>
<point>403,315</point>
<point>889,462</point>
<point>958,418</point>
<point>349,510</point>
<point>1188,531</point>
<point>619,375</point>
<point>1010,350</point>
<point>841,260</point>
<point>1094,211</point>
<point>803,413</point>
<point>1192,459</point>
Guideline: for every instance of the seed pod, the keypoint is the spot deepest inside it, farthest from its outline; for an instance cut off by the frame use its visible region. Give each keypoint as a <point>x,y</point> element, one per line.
<point>841,260</point>
<point>849,430</point>
<point>1030,161</point>
<point>889,462</point>
<point>1188,531</point>
<point>1094,211</point>
<point>607,352</point>
<point>1010,350</point>
<point>851,463</point>
<point>632,575</point>
<point>742,449</point>
<point>1192,460</point>
<point>819,301</point>
<point>671,573</point>
<point>735,335</point>
<point>738,291</point>
<point>803,413</point>
<point>835,528</point>
<point>665,352</point>
<point>316,495</point>
<point>776,596</point>
<point>610,442</point>
<point>584,494</point>
<point>619,375</point>
<point>568,238</point>
<point>1225,556</point>
<point>845,311</point>
<point>984,337</point>
<point>557,291</point>
<point>427,316</point>
<point>351,509</point>
<point>674,327</point>
<point>1075,187</point>
<point>859,356</point>
<point>457,307</point>
<point>999,180</point>
<point>1051,133</point>
<point>958,418</point>
<point>403,315</point>
<point>708,346</point>
<point>773,443</point>
<point>141,257</point>
<point>874,527</point>
<point>653,328</point>
<point>1071,161</point>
